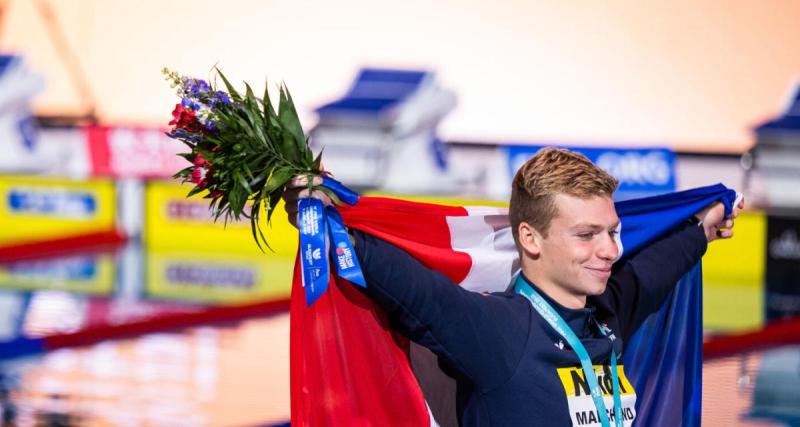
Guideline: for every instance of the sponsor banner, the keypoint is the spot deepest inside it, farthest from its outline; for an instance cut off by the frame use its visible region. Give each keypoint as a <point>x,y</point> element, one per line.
<point>174,222</point>
<point>641,172</point>
<point>217,277</point>
<point>84,274</point>
<point>581,406</point>
<point>783,267</point>
<point>133,152</point>
<point>733,276</point>
<point>739,261</point>
<point>34,208</point>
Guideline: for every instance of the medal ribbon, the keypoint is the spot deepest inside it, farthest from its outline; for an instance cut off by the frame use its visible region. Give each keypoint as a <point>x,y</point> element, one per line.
<point>559,325</point>
<point>319,226</point>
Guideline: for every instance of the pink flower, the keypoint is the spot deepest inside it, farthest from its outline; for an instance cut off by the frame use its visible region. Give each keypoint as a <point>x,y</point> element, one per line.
<point>200,160</point>
<point>198,175</point>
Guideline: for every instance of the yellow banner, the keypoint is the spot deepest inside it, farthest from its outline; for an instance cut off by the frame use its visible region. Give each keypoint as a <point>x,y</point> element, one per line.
<point>84,274</point>
<point>217,277</point>
<point>175,223</point>
<point>733,276</point>
<point>33,208</point>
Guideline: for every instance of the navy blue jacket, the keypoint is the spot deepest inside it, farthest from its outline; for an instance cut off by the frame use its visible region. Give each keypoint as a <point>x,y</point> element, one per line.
<point>504,356</point>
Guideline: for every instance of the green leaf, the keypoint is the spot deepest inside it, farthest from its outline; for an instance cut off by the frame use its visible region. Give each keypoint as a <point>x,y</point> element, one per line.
<point>248,171</point>
<point>261,138</point>
<point>194,191</point>
<point>308,156</point>
<point>269,111</point>
<point>274,199</point>
<point>188,143</point>
<point>250,98</point>
<point>258,158</point>
<point>183,173</point>
<point>317,161</point>
<point>231,90</point>
<point>235,201</point>
<point>287,148</point>
<point>255,228</point>
<point>242,182</point>
<point>212,204</point>
<point>222,208</point>
<point>249,95</point>
<point>290,122</point>
<point>278,179</point>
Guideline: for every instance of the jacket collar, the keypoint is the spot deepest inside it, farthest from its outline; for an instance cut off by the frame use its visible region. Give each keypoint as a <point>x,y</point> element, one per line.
<point>579,320</point>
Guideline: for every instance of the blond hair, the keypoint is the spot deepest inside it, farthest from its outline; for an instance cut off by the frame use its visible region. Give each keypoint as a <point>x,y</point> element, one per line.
<point>549,172</point>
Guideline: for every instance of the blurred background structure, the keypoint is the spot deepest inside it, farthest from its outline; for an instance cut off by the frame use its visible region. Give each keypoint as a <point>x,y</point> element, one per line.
<point>122,303</point>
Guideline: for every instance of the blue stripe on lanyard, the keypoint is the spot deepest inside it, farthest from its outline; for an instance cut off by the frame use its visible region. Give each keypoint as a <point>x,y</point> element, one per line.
<point>559,325</point>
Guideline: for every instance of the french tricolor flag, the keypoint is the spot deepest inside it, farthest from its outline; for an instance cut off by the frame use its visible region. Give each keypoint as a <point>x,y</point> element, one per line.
<point>348,368</point>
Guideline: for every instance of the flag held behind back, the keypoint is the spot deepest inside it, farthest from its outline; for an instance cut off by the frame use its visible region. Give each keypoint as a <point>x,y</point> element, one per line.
<point>349,369</point>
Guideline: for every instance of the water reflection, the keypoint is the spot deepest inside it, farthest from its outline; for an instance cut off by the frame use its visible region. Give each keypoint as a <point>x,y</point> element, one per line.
<point>73,292</point>
<point>203,376</point>
<point>230,374</point>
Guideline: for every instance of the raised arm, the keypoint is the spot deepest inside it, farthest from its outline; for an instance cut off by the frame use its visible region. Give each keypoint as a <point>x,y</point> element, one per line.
<point>640,285</point>
<point>483,336</point>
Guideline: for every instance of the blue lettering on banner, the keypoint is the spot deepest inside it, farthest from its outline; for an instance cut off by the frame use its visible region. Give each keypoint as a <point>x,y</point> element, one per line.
<point>50,202</point>
<point>215,277</point>
<point>641,171</point>
<point>80,268</point>
<point>27,131</point>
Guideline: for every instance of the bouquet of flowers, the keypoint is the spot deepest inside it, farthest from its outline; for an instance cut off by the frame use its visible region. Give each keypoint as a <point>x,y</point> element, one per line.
<point>243,150</point>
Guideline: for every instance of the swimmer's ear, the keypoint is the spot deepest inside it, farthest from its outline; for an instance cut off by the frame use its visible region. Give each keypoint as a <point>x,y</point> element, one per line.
<point>530,240</point>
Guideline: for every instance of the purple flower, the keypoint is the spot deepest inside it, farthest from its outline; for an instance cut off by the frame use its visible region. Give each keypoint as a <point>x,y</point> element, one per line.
<point>196,88</point>
<point>210,127</point>
<point>190,104</point>
<point>215,98</point>
<point>222,97</point>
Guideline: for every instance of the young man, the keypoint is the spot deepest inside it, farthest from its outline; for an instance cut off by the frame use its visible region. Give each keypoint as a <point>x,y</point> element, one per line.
<point>514,354</point>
